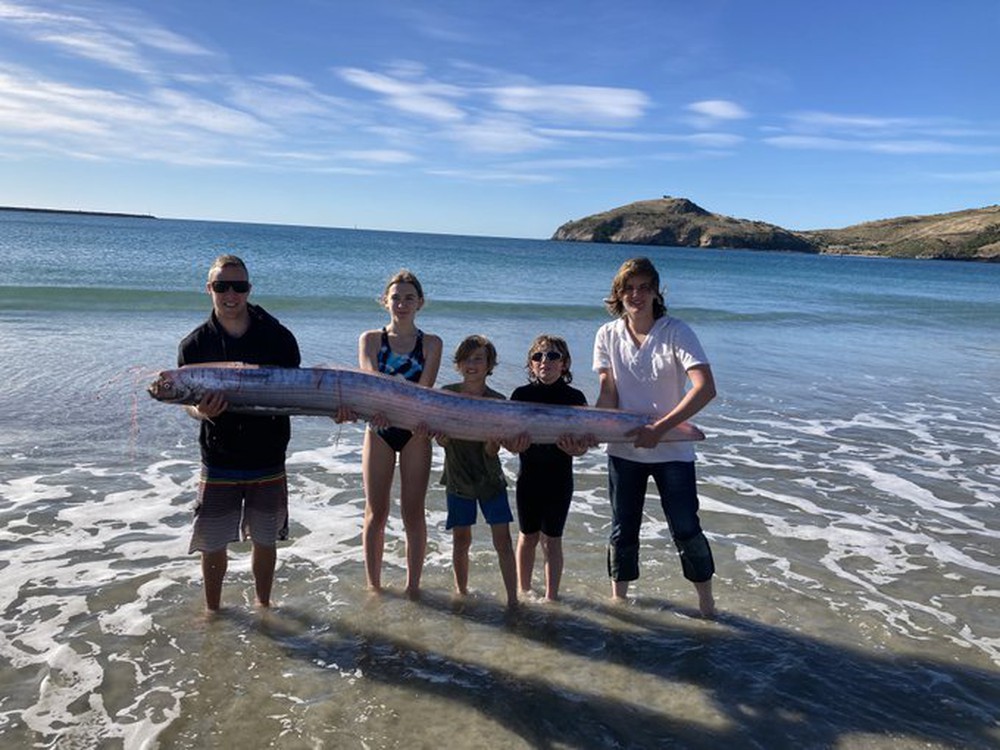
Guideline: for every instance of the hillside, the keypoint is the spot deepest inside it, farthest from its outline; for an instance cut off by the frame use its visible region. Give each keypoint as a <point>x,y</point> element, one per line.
<point>972,234</point>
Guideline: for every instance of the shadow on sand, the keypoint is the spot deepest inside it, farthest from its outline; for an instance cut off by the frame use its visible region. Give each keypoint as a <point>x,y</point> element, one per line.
<point>773,688</point>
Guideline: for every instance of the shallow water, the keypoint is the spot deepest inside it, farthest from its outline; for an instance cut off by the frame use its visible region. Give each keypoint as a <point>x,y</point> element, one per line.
<point>849,489</point>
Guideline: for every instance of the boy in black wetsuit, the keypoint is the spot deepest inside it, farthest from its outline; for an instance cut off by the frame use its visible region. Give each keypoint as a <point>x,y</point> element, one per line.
<point>545,479</point>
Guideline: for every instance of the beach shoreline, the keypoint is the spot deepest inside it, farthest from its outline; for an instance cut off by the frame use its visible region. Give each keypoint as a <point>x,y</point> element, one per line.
<point>849,490</point>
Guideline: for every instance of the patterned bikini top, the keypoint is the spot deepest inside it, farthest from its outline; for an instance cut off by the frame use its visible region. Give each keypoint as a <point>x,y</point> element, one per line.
<point>409,366</point>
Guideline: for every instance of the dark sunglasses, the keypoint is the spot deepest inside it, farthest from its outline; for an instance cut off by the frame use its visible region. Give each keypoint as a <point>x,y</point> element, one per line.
<point>240,287</point>
<point>550,355</point>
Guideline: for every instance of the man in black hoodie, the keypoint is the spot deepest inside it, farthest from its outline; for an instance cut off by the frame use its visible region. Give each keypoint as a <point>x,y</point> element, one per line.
<point>243,491</point>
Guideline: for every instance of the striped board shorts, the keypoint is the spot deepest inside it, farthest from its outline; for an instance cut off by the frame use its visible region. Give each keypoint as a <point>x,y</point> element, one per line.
<point>235,504</point>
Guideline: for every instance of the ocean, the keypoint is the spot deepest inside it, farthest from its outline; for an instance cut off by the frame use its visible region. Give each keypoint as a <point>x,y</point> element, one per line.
<point>850,487</point>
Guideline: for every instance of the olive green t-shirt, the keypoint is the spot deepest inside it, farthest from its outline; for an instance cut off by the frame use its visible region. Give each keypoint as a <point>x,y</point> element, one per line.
<point>468,471</point>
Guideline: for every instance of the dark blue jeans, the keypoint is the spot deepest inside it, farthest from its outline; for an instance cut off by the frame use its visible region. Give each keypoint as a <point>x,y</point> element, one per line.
<point>677,485</point>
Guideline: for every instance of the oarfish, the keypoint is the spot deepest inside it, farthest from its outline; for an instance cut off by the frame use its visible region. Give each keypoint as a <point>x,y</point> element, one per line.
<point>323,390</point>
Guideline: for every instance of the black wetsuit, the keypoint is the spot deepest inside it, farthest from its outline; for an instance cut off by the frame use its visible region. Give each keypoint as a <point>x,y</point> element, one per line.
<point>545,479</point>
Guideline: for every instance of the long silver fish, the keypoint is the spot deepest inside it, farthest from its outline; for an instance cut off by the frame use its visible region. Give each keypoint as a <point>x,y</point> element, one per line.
<point>322,390</point>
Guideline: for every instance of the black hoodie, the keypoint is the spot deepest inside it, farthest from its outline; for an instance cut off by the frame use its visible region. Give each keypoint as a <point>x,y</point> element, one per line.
<point>241,441</point>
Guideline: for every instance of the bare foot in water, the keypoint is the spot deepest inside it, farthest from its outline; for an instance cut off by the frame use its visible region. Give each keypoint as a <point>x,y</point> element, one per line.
<point>619,592</point>
<point>706,602</point>
<point>208,614</point>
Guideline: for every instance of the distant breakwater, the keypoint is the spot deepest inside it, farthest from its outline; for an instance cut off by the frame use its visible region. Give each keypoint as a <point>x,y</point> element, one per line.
<point>76,212</point>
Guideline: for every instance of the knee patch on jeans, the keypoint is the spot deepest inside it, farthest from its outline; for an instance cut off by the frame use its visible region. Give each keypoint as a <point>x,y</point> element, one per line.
<point>623,562</point>
<point>696,558</point>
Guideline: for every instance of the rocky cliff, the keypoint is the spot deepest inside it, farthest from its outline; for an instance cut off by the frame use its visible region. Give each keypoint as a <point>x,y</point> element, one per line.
<point>969,235</point>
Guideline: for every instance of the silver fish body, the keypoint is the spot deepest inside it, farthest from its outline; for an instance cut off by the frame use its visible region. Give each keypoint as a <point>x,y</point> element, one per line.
<point>322,390</point>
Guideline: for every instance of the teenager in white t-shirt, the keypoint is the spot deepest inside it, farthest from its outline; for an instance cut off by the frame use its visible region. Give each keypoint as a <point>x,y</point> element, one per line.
<point>644,360</point>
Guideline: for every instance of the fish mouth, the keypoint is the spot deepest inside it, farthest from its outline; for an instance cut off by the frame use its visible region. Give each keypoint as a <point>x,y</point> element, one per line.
<point>163,389</point>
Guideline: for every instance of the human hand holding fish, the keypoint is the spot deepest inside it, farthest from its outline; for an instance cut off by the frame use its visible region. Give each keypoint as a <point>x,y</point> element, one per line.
<point>644,436</point>
<point>345,414</point>
<point>424,430</point>
<point>211,405</point>
<point>517,444</point>
<point>576,445</point>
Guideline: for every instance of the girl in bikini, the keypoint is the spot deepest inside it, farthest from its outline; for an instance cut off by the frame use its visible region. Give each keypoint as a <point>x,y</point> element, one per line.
<point>399,349</point>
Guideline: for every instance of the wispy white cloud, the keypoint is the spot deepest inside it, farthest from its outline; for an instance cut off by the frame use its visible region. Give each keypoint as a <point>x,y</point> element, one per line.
<point>52,107</point>
<point>162,124</point>
<point>906,146</point>
<point>909,136</point>
<point>114,37</point>
<point>156,105</point>
<point>986,177</point>
<point>314,162</point>
<point>582,104</point>
<point>882,146</point>
<point>718,109</point>
<point>861,125</point>
<point>150,114</point>
<point>147,114</point>
<point>378,156</point>
<point>504,119</point>
<point>705,140</point>
<point>436,24</point>
<point>854,122</point>
<point>343,170</point>
<point>497,134</point>
<point>164,40</point>
<point>498,175</point>
<point>610,162</point>
<point>191,111</point>
<point>99,46</point>
<point>423,98</point>
<point>711,140</point>
<point>284,98</point>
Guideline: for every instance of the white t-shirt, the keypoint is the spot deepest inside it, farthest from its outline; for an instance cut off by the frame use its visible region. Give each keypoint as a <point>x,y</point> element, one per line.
<point>651,379</point>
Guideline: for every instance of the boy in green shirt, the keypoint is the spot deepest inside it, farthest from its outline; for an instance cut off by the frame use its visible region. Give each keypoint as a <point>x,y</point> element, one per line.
<point>472,473</point>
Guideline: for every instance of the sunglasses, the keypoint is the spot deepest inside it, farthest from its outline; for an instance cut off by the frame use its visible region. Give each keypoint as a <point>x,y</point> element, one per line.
<point>240,287</point>
<point>550,355</point>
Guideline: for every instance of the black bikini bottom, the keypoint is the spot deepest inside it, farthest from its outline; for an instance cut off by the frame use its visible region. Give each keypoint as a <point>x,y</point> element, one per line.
<point>395,437</point>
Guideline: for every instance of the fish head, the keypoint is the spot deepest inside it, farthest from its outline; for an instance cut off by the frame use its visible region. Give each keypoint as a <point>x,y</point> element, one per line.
<point>171,389</point>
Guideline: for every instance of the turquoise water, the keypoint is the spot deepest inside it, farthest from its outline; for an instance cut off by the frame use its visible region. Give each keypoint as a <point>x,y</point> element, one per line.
<point>850,486</point>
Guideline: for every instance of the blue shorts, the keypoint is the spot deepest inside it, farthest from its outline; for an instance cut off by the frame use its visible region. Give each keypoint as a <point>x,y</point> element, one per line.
<point>462,510</point>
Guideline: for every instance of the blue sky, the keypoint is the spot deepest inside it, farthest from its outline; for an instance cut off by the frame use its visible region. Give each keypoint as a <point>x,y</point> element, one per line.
<point>499,118</point>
